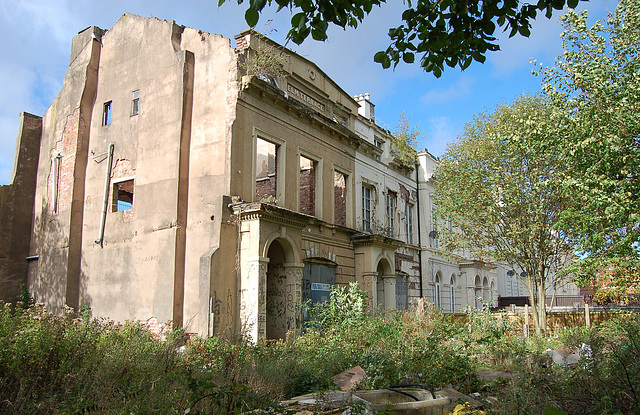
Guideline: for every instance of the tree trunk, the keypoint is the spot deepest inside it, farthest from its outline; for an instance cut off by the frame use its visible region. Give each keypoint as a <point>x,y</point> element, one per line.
<point>537,297</point>
<point>542,308</point>
<point>532,300</point>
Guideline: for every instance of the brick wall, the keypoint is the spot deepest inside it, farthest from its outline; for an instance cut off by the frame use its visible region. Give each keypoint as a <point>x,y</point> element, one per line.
<point>308,191</point>
<point>265,187</point>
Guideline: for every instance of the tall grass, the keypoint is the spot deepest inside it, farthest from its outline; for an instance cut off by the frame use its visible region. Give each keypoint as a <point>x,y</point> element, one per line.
<point>75,364</point>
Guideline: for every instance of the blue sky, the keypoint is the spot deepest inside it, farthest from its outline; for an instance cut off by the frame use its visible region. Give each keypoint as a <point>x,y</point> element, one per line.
<point>36,40</point>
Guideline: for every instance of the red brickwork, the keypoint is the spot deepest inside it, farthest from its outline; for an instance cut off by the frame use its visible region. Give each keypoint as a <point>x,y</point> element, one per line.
<point>265,187</point>
<point>308,191</point>
<point>123,169</point>
<point>66,148</point>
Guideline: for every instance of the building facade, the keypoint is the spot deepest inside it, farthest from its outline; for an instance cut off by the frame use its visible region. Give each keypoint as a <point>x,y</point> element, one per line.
<point>178,179</point>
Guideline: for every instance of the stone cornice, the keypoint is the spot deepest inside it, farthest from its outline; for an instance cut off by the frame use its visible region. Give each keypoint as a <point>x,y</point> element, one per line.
<point>476,263</point>
<point>266,211</point>
<point>366,239</point>
<point>262,89</point>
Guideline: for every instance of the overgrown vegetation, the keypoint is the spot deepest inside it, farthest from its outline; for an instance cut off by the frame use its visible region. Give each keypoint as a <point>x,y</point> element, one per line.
<point>404,141</point>
<point>75,364</point>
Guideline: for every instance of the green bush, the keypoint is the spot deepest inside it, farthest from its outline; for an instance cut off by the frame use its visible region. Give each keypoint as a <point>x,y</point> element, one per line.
<point>71,364</point>
<point>75,364</point>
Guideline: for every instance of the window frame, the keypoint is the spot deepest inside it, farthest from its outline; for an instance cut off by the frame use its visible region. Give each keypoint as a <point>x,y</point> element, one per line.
<point>107,113</point>
<point>135,103</point>
<point>115,189</point>
<point>367,207</point>
<point>347,212</point>
<point>409,222</point>
<point>318,185</point>
<point>391,204</point>
<point>281,151</point>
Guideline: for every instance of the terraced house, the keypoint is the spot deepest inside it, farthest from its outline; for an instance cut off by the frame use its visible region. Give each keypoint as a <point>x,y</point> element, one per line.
<point>176,178</point>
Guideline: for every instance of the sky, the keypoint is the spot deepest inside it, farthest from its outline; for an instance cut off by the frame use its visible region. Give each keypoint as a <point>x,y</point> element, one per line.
<point>36,41</point>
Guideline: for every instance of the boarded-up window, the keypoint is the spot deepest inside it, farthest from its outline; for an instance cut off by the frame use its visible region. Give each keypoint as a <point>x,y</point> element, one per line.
<point>307,186</point>
<point>266,168</point>
<point>402,297</point>
<point>340,198</point>
<point>122,196</point>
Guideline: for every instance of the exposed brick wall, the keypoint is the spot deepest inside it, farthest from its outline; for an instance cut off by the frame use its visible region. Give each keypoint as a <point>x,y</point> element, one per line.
<point>340,199</point>
<point>308,191</point>
<point>123,169</point>
<point>265,187</point>
<point>65,151</point>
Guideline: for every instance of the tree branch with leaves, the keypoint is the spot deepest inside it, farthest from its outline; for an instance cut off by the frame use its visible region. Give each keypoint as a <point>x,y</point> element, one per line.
<point>504,197</point>
<point>438,32</point>
<point>596,82</point>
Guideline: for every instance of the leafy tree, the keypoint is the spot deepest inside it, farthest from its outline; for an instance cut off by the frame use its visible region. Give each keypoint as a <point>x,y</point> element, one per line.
<point>596,82</point>
<point>451,32</point>
<point>498,184</point>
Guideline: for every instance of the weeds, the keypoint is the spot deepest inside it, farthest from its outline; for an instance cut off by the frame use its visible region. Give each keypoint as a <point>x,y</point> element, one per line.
<point>75,364</point>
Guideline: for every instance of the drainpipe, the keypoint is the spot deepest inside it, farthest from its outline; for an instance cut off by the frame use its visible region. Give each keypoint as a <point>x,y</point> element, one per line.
<point>105,197</point>
<point>419,228</point>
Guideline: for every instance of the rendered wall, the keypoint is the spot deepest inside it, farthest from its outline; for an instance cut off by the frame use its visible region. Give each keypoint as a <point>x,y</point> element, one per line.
<point>16,209</point>
<point>151,260</point>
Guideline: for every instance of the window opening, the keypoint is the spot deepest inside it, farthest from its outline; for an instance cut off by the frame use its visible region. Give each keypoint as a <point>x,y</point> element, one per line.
<point>437,292</point>
<point>106,113</point>
<point>307,186</point>
<point>433,235</point>
<point>402,297</point>
<point>122,196</point>
<point>366,208</point>
<point>409,222</point>
<point>391,211</point>
<point>340,198</point>
<point>452,289</point>
<point>135,102</point>
<point>266,167</point>
<point>378,144</point>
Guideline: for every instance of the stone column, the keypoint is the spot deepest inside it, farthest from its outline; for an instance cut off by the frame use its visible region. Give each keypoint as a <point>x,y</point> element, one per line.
<point>293,314</point>
<point>389,282</point>
<point>253,298</point>
<point>370,286</point>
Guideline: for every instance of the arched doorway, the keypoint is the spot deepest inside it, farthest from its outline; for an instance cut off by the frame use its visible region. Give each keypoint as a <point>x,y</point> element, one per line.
<point>385,286</point>
<point>276,307</point>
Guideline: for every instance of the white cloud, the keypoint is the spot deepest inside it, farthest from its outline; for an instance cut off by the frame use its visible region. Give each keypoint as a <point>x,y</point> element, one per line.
<point>459,90</point>
<point>37,37</point>
<point>440,132</point>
